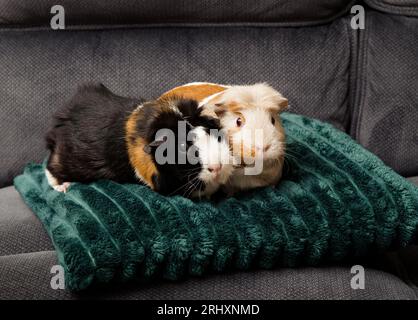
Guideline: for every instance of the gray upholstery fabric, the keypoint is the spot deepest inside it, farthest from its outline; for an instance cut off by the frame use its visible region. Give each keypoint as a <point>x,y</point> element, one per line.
<point>285,12</point>
<point>43,68</point>
<point>28,276</point>
<point>388,114</point>
<point>364,82</point>
<point>20,229</point>
<point>403,7</point>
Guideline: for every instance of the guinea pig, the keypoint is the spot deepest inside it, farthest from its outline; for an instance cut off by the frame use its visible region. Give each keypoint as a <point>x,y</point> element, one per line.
<point>250,114</point>
<point>100,135</point>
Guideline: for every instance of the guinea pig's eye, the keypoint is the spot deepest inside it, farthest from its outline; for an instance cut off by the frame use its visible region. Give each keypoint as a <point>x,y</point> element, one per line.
<point>273,121</point>
<point>219,138</point>
<point>239,122</point>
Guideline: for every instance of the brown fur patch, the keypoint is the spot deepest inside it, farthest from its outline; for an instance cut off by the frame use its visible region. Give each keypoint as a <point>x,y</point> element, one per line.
<point>221,108</point>
<point>234,107</point>
<point>54,158</point>
<point>139,159</point>
<point>283,104</point>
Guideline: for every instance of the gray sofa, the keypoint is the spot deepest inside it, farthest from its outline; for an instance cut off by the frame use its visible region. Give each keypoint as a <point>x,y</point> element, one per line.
<point>363,81</point>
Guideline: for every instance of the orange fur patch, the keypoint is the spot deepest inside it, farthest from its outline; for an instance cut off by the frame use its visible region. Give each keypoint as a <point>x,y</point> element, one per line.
<point>139,159</point>
<point>221,108</point>
<point>196,92</point>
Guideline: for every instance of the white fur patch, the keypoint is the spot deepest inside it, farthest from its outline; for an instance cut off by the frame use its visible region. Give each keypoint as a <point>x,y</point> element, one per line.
<point>209,98</point>
<point>51,179</point>
<point>259,105</point>
<point>212,152</point>
<point>53,182</point>
<point>139,107</point>
<point>204,83</point>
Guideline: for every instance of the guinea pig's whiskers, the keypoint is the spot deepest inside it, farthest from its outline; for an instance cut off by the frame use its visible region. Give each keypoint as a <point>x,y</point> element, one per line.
<point>183,186</point>
<point>191,187</point>
<point>189,190</point>
<point>189,176</point>
<point>190,172</point>
<point>290,155</point>
<point>199,184</point>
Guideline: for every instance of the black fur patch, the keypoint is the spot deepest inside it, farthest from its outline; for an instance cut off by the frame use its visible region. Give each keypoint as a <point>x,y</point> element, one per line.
<point>87,140</point>
<point>174,178</point>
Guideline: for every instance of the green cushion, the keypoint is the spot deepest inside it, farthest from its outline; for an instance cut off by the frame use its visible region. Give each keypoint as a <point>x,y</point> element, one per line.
<point>335,201</point>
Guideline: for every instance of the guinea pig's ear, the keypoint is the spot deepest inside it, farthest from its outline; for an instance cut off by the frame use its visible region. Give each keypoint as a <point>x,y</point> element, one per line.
<point>283,104</point>
<point>206,111</point>
<point>154,144</point>
<point>220,109</point>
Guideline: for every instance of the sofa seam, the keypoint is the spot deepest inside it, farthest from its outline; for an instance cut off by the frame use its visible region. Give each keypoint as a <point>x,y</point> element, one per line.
<point>353,60</point>
<point>97,27</point>
<point>361,86</point>
<point>393,8</point>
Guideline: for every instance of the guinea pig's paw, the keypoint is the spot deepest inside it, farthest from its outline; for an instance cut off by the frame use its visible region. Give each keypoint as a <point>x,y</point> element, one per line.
<point>62,187</point>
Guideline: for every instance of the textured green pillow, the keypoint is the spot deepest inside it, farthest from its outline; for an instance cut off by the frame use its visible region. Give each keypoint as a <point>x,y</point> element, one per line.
<point>336,200</point>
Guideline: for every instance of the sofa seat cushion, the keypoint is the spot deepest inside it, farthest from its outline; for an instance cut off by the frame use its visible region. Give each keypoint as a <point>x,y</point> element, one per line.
<point>28,276</point>
<point>20,229</point>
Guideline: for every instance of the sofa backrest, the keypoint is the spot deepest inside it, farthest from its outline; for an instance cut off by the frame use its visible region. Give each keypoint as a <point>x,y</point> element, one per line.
<point>124,12</point>
<point>385,110</point>
<point>306,49</point>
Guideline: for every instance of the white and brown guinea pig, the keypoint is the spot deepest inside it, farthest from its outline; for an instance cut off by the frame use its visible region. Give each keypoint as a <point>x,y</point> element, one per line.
<point>245,108</point>
<point>99,135</point>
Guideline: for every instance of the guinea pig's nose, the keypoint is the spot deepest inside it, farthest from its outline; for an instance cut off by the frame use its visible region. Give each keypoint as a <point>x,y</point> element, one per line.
<point>215,168</point>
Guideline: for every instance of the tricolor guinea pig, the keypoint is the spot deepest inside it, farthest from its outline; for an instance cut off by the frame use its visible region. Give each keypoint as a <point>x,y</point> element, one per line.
<point>250,114</point>
<point>164,144</point>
